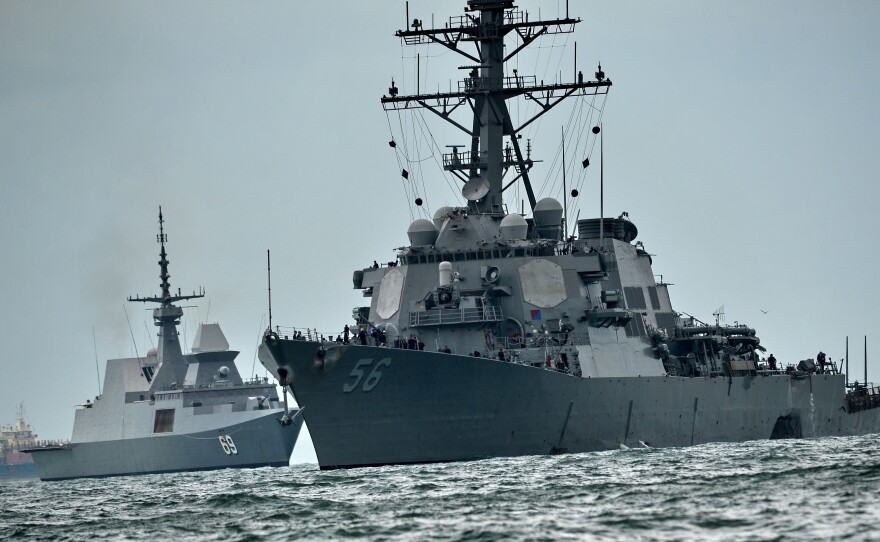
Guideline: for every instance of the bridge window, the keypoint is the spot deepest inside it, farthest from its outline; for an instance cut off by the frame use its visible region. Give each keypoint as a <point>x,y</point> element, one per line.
<point>164,422</point>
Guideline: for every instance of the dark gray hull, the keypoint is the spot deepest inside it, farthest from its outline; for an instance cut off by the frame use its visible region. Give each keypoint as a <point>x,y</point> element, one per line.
<point>369,406</point>
<point>259,442</point>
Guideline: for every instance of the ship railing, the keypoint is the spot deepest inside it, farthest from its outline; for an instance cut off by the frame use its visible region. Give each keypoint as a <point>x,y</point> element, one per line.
<point>303,334</point>
<point>475,84</point>
<point>511,16</point>
<point>456,316</point>
<point>464,159</point>
<point>55,443</point>
<point>256,381</point>
<point>863,398</point>
<point>455,160</point>
<point>547,340</point>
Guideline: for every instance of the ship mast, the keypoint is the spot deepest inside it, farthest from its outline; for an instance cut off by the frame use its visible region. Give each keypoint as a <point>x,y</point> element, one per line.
<point>486,90</point>
<point>167,315</point>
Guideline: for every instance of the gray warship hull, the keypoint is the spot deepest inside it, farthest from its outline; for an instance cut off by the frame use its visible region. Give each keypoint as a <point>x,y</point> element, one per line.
<point>262,442</point>
<point>502,333</point>
<point>368,406</point>
<point>170,411</point>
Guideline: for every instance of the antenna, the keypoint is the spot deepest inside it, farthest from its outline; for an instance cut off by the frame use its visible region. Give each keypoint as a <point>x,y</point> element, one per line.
<point>846,374</point>
<point>564,187</point>
<point>601,186</point>
<point>97,370</point>
<point>130,331</point>
<point>257,349</point>
<point>719,315</point>
<point>269,273</point>
<point>149,335</point>
<point>866,360</point>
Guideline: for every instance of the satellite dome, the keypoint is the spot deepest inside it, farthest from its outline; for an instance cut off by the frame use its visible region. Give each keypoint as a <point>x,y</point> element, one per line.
<point>440,216</point>
<point>152,352</point>
<point>422,232</point>
<point>514,227</point>
<point>223,371</point>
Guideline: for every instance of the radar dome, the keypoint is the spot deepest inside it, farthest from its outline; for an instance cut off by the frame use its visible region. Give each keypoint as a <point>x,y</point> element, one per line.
<point>422,232</point>
<point>548,212</point>
<point>440,216</point>
<point>548,218</point>
<point>514,227</point>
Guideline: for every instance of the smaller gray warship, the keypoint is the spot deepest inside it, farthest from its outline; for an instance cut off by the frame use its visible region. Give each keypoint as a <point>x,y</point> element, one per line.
<point>172,412</point>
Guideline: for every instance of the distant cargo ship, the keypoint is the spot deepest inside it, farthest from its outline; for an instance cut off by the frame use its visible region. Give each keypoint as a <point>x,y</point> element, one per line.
<point>13,463</point>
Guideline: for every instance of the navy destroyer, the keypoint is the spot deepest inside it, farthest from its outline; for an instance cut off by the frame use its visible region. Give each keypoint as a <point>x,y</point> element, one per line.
<point>170,411</point>
<point>498,334</point>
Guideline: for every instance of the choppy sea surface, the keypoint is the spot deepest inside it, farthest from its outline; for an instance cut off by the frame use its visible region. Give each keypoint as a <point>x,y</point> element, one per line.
<point>823,489</point>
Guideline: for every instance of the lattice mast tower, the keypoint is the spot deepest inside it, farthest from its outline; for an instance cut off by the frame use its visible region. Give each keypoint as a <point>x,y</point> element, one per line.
<point>486,91</point>
<point>167,316</point>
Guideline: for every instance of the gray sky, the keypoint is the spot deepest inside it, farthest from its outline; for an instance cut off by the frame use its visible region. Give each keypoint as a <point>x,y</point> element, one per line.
<point>739,136</point>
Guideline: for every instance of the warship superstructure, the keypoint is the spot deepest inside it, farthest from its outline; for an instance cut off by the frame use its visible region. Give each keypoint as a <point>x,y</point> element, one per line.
<point>170,411</point>
<point>14,464</point>
<point>497,334</point>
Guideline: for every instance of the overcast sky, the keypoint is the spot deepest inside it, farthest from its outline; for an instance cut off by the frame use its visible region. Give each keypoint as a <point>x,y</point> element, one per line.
<point>739,136</point>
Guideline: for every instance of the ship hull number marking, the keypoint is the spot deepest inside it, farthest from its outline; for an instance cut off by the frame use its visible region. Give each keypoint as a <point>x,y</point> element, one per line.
<point>360,369</point>
<point>228,445</point>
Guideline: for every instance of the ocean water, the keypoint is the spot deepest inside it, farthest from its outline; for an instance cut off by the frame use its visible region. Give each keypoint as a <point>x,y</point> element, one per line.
<point>814,489</point>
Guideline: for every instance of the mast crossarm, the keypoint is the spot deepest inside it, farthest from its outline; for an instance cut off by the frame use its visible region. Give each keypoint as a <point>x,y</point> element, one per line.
<point>472,30</point>
<point>550,98</point>
<point>527,39</point>
<point>440,100</point>
<point>448,37</point>
<point>445,116</point>
<point>452,45</point>
<point>548,92</point>
<point>167,299</point>
<point>562,26</point>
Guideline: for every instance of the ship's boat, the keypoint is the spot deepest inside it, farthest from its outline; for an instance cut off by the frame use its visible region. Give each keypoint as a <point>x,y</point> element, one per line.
<point>172,412</point>
<point>499,334</point>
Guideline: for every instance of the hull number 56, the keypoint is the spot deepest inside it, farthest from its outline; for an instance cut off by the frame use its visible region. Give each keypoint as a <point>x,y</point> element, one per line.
<point>356,376</point>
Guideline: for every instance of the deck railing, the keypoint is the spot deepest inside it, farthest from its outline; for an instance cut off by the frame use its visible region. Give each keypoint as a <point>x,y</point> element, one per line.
<point>455,316</point>
<point>863,398</point>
